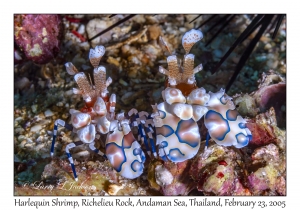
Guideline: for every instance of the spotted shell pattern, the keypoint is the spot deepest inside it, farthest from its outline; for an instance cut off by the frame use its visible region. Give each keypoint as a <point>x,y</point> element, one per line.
<point>178,139</point>
<point>124,153</point>
<point>225,126</point>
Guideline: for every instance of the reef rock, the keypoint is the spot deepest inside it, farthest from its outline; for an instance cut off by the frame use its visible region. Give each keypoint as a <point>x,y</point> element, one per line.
<point>265,131</point>
<point>268,179</point>
<point>170,178</point>
<point>216,172</point>
<point>271,93</point>
<point>38,36</point>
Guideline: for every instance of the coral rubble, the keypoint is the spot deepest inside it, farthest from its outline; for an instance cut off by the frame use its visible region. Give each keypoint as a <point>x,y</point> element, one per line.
<point>38,36</point>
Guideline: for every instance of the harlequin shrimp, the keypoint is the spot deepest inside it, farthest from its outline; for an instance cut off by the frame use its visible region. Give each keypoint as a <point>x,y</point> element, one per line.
<point>225,126</point>
<point>185,102</point>
<point>170,133</point>
<point>98,117</point>
<point>175,119</point>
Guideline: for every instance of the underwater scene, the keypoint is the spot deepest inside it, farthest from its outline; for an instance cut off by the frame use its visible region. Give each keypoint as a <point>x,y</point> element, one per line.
<point>150,105</point>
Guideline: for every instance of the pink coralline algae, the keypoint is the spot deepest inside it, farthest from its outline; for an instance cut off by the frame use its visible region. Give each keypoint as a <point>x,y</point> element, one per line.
<point>216,172</point>
<point>182,183</point>
<point>170,178</point>
<point>38,36</point>
<point>261,135</point>
<point>272,93</point>
<point>265,131</point>
<point>267,167</point>
<point>270,178</point>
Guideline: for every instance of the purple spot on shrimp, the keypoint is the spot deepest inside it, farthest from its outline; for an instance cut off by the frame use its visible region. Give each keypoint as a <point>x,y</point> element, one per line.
<point>137,166</point>
<point>223,100</point>
<point>231,115</point>
<point>128,140</point>
<point>175,155</point>
<point>242,139</point>
<point>165,131</point>
<point>162,114</point>
<point>188,132</point>
<point>116,156</point>
<point>217,126</point>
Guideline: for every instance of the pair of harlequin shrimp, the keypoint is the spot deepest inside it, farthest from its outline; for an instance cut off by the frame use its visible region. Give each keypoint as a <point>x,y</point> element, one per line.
<point>170,132</point>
